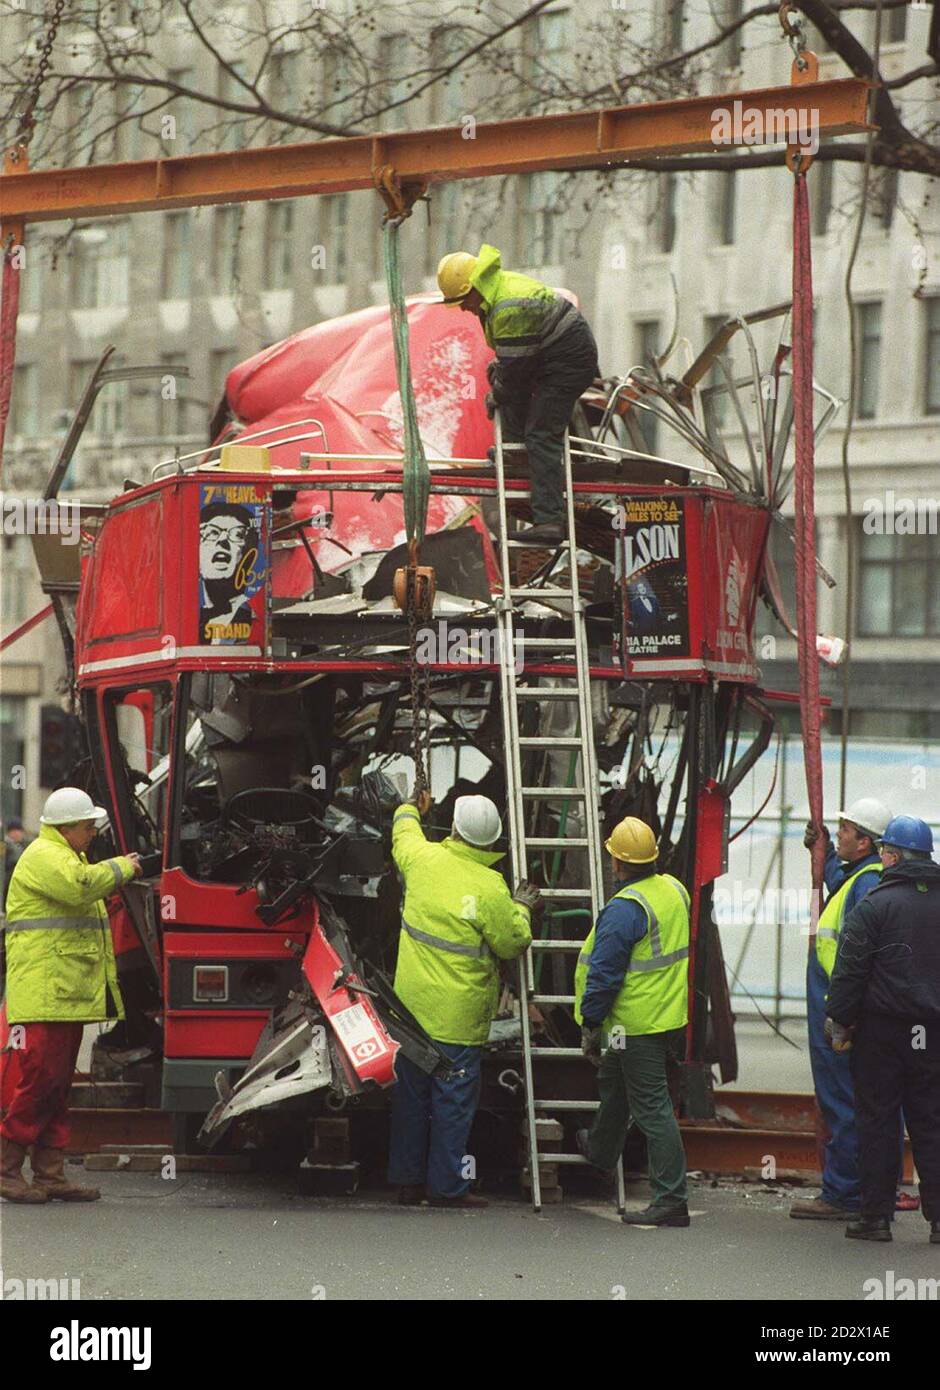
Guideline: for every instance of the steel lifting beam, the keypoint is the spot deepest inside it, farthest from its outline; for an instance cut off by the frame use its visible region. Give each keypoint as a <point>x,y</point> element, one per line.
<point>597,139</point>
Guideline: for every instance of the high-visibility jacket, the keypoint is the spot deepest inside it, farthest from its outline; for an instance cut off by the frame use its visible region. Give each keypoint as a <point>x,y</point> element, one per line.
<point>458,917</point>
<point>655,993</point>
<point>60,957</point>
<point>829,927</point>
<point>521,315</point>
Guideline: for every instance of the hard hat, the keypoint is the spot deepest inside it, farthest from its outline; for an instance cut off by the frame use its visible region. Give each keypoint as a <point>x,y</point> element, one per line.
<point>477,821</point>
<point>908,832</point>
<point>868,814</point>
<point>632,842</point>
<point>453,275</point>
<point>69,804</point>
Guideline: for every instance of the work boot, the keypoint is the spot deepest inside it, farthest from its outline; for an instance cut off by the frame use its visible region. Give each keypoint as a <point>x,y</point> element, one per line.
<point>13,1186</point>
<point>818,1209</point>
<point>658,1216</point>
<point>410,1195</point>
<point>935,1233</point>
<point>49,1177</point>
<point>467,1200</point>
<point>869,1228</point>
<point>546,533</point>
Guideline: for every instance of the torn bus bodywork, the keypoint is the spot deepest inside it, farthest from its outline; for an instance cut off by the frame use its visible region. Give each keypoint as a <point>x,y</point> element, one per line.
<point>242,671</point>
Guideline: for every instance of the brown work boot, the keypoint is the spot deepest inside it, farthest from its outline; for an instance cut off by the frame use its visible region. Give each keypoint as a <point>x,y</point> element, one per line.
<point>818,1210</point>
<point>49,1177</point>
<point>411,1195</point>
<point>13,1186</point>
<point>467,1201</point>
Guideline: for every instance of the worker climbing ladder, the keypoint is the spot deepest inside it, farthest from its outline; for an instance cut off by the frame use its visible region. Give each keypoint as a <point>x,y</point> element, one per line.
<point>585,847</point>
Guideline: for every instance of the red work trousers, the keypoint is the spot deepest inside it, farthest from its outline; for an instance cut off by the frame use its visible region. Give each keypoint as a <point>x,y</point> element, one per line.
<point>35,1080</point>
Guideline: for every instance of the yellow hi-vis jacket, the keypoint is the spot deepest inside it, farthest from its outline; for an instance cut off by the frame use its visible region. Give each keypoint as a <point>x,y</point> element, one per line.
<point>831,918</point>
<point>60,957</point>
<point>654,997</point>
<point>458,917</point>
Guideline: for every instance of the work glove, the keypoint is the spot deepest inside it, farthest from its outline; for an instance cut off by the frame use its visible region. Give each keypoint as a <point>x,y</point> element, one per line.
<point>839,1035</point>
<point>591,1043</point>
<point>423,802</point>
<point>528,895</point>
<point>809,838</point>
<point>489,401</point>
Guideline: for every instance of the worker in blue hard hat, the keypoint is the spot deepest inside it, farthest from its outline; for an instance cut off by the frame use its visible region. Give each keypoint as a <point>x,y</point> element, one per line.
<point>852,869</point>
<point>884,1005</point>
<point>459,920</point>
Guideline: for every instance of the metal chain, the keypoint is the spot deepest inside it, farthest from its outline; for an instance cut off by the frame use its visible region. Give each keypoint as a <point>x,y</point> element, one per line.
<point>420,702</point>
<point>28,119</point>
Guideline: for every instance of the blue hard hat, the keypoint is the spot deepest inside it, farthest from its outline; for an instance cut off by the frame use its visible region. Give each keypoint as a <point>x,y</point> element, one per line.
<point>908,832</point>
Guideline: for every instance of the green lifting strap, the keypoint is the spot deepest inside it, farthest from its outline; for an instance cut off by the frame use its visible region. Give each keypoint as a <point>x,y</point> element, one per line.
<point>416,476</point>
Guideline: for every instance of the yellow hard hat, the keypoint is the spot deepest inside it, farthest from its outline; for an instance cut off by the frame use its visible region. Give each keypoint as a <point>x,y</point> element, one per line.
<point>453,275</point>
<point>632,841</point>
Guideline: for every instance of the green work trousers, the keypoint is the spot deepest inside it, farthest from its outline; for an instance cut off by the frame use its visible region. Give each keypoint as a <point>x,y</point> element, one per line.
<point>631,1080</point>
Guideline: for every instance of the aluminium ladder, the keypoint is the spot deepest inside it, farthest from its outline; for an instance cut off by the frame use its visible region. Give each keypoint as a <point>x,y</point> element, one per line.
<point>520,797</point>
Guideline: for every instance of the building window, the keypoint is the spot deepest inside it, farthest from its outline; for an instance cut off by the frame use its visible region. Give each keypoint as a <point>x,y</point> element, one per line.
<point>24,407</point>
<point>899,585</point>
<point>233,133</point>
<point>226,230</point>
<point>675,19</point>
<point>869,358</point>
<point>12,754</point>
<point>716,406</point>
<point>882,197</point>
<point>895,22</point>
<point>546,48</point>
<point>932,382</point>
<point>109,412</point>
<point>542,224</point>
<point>665,193</point>
<point>447,103</point>
<point>220,364</point>
<point>444,216</point>
<point>80,107</point>
<point>732,47</point>
<point>338,102</point>
<point>176,279</point>
<point>279,246</point>
<point>648,335</point>
<point>334,215</point>
<point>394,68</point>
<point>725,208</point>
<point>182,109</point>
<point>16,579</point>
<point>282,87</point>
<point>100,266</point>
<point>822,196</point>
<point>171,408</point>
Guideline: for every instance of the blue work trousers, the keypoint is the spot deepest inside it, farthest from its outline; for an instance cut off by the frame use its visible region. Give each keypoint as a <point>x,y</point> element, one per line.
<point>431,1122</point>
<point>832,1082</point>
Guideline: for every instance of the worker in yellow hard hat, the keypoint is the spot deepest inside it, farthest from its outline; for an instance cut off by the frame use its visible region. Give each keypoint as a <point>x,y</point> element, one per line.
<point>546,357</point>
<point>631,998</point>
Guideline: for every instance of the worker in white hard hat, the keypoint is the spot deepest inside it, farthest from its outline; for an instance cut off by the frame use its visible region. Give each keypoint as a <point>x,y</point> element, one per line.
<point>61,974</point>
<point>459,920</point>
<point>631,988</point>
<point>852,869</point>
<point>546,357</point>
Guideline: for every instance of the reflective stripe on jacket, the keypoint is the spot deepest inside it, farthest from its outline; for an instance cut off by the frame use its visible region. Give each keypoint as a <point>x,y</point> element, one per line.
<point>522,316</point>
<point>60,958</point>
<point>655,993</point>
<point>458,918</point>
<point>832,916</point>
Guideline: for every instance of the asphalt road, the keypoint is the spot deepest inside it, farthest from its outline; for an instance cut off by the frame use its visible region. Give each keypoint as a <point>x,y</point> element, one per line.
<point>252,1237</point>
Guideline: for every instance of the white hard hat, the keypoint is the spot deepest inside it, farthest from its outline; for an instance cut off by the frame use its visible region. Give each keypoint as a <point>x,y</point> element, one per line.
<point>868,814</point>
<point>477,821</point>
<point>70,804</point>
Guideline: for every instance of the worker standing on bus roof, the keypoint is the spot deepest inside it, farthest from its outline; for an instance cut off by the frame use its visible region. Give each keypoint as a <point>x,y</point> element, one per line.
<point>546,357</point>
<point>631,990</point>
<point>458,920</point>
<point>852,869</point>
<point>61,974</point>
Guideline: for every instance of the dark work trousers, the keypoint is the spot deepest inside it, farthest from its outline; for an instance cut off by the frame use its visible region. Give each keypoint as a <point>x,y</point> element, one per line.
<point>431,1121</point>
<point>832,1081</point>
<point>631,1080</point>
<point>536,404</point>
<point>895,1066</point>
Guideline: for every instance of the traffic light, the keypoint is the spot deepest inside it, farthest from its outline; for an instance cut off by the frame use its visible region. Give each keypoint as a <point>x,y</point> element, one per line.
<point>60,745</point>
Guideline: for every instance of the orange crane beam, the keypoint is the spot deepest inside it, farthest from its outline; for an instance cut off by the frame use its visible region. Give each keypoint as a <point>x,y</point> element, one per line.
<point>597,139</point>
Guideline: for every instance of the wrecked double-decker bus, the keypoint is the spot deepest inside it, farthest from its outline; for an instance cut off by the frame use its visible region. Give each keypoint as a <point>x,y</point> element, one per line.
<point>244,679</point>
